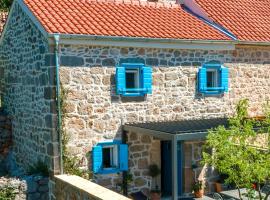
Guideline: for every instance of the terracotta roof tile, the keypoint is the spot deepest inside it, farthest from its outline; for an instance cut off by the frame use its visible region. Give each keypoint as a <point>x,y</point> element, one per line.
<point>114,18</point>
<point>248,20</point>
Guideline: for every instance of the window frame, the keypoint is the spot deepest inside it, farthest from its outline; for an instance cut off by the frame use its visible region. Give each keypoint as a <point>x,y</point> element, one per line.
<point>143,78</point>
<point>220,87</point>
<point>113,156</point>
<point>216,77</point>
<point>108,144</point>
<point>137,76</point>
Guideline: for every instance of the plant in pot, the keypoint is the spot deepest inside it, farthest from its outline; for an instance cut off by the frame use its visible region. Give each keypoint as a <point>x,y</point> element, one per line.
<point>220,184</point>
<point>154,171</point>
<point>198,189</point>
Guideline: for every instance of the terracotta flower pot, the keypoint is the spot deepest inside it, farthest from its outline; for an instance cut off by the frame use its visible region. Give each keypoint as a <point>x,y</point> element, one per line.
<point>199,194</point>
<point>220,187</point>
<point>155,196</point>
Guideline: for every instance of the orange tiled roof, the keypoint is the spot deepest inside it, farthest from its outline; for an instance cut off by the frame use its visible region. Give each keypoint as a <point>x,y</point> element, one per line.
<point>118,18</point>
<point>248,20</point>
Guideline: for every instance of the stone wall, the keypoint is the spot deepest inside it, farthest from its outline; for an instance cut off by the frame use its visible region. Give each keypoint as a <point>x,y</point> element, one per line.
<point>143,151</point>
<point>28,93</point>
<point>96,113</point>
<point>74,187</point>
<point>28,188</point>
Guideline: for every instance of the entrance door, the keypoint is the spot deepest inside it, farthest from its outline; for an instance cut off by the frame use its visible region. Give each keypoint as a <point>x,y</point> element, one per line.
<point>166,168</point>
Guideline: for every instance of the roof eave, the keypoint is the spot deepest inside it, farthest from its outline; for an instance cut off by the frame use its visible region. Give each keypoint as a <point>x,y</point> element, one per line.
<point>122,41</point>
<point>253,43</point>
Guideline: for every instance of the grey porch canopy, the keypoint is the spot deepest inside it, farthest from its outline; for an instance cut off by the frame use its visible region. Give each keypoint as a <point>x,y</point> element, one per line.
<point>180,130</point>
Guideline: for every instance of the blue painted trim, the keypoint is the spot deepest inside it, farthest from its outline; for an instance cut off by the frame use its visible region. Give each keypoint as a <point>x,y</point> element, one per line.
<point>214,90</point>
<point>108,143</point>
<point>209,65</point>
<point>134,92</point>
<point>109,171</point>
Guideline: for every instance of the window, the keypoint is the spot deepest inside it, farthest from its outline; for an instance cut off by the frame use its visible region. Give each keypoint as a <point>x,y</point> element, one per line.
<point>213,79</point>
<point>109,157</point>
<point>133,79</point>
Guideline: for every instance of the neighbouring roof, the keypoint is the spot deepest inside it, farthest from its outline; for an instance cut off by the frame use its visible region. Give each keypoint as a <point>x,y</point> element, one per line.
<point>184,126</point>
<point>248,20</point>
<point>118,18</point>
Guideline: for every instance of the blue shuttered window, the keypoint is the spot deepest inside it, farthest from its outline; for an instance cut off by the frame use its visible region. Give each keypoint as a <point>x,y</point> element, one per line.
<point>120,80</point>
<point>97,159</point>
<point>123,157</point>
<point>225,78</point>
<point>213,79</point>
<point>109,157</point>
<point>147,79</point>
<point>133,79</point>
<point>202,79</point>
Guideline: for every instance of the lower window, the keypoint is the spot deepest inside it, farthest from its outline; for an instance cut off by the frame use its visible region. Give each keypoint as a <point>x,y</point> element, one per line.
<point>109,157</point>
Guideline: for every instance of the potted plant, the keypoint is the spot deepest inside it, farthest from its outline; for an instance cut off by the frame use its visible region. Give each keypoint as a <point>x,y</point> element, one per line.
<point>198,189</point>
<point>154,171</point>
<point>220,184</point>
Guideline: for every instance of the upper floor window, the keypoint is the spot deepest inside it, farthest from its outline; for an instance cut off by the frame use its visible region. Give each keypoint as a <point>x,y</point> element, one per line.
<point>213,79</point>
<point>133,79</point>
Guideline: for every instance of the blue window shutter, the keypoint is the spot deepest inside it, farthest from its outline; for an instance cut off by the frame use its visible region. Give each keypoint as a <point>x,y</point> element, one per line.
<point>147,79</point>
<point>97,159</point>
<point>202,79</point>
<point>120,80</point>
<point>123,157</point>
<point>225,78</point>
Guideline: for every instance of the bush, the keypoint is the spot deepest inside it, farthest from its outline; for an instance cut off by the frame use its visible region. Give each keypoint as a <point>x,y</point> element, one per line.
<point>40,168</point>
<point>7,193</point>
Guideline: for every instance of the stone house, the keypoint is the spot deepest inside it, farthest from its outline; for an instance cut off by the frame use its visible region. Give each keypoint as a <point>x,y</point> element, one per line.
<point>144,81</point>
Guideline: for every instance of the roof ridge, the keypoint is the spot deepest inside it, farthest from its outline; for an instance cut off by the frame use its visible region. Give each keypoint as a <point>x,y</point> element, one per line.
<point>140,3</point>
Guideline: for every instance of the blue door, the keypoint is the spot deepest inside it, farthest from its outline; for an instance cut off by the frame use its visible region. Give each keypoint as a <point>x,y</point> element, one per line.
<point>166,168</point>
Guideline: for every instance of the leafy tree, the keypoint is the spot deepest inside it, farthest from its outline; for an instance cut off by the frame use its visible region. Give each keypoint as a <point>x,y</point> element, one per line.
<point>234,155</point>
<point>5,4</point>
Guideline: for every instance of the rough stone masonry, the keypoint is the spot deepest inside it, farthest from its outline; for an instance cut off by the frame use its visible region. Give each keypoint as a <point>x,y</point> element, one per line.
<point>95,112</point>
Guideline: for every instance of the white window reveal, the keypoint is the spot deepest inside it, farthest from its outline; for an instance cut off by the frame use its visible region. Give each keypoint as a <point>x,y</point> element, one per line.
<point>212,78</point>
<point>110,157</point>
<point>132,79</point>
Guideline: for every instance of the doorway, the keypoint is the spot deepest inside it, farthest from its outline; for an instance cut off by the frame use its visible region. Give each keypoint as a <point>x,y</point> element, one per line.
<point>166,168</point>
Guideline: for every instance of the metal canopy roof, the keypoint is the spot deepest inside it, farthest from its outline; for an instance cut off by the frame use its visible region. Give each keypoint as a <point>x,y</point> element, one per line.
<point>181,130</point>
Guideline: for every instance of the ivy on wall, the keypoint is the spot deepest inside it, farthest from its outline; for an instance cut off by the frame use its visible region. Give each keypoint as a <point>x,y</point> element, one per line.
<point>71,164</point>
<point>5,4</point>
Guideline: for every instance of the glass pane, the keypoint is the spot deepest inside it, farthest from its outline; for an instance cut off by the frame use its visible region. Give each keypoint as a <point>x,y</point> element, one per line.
<point>130,80</point>
<point>106,156</point>
<point>211,79</point>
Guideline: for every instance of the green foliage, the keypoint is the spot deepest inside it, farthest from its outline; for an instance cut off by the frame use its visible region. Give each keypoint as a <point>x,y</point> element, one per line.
<point>71,163</point>
<point>40,168</point>
<point>232,153</point>
<point>197,186</point>
<point>5,4</point>
<point>7,193</point>
<point>153,170</point>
